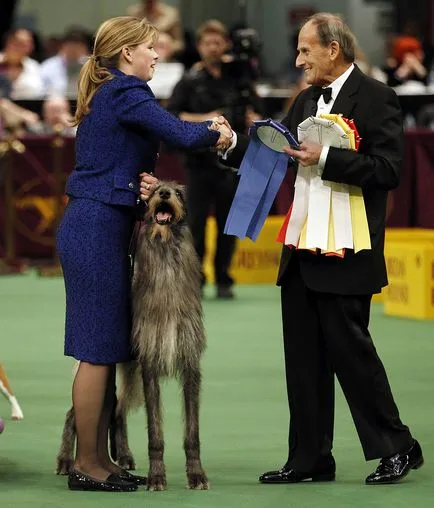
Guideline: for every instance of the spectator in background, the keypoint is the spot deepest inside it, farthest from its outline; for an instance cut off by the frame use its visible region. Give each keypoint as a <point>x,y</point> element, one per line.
<point>16,119</point>
<point>52,45</point>
<point>164,17</point>
<point>208,90</point>
<point>23,72</point>
<point>60,73</point>
<point>56,118</point>
<point>406,62</point>
<point>167,72</point>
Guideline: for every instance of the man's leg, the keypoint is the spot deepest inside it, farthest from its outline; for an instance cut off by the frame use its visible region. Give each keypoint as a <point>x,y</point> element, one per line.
<point>226,185</point>
<point>345,320</point>
<point>198,199</point>
<point>309,377</point>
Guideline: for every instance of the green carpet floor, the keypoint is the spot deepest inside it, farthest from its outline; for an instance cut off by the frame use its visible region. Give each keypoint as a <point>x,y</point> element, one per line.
<point>243,417</point>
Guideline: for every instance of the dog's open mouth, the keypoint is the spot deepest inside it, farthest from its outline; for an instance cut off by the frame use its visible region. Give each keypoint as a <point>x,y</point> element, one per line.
<point>163,214</point>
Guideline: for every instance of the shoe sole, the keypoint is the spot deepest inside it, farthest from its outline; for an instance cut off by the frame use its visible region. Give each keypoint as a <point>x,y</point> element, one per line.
<point>316,478</point>
<point>93,489</point>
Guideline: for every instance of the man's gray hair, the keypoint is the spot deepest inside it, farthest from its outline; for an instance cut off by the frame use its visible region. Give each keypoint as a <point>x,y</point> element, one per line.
<point>331,27</point>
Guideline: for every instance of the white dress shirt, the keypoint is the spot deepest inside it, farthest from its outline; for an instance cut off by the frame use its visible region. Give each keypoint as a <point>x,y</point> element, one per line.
<point>325,108</point>
<point>28,84</point>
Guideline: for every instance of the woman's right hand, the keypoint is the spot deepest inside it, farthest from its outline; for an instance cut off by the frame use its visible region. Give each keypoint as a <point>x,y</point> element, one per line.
<point>221,125</point>
<point>147,184</point>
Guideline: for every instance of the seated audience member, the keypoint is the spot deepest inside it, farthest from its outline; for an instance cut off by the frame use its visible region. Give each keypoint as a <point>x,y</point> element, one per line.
<point>60,72</point>
<point>406,62</point>
<point>56,118</point>
<point>165,17</point>
<point>16,119</point>
<point>167,73</point>
<point>23,72</point>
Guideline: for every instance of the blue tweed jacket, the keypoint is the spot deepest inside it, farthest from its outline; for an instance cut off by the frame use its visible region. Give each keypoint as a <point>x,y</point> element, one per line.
<point>120,138</point>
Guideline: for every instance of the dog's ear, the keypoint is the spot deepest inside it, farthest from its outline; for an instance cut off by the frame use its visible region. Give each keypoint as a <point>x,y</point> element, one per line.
<point>181,191</point>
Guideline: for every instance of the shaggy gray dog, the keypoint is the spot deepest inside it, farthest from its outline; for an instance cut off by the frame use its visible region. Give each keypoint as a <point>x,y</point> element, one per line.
<point>167,336</point>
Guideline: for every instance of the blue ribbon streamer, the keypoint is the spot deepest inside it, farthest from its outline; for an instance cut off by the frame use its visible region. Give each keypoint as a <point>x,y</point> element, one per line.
<point>261,174</point>
<point>263,209</point>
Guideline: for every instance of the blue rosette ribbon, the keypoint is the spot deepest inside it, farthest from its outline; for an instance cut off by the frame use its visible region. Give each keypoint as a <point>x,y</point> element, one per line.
<point>262,171</point>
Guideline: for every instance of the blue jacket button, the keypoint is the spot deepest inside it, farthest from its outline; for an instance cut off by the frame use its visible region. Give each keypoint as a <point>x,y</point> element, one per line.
<point>131,185</point>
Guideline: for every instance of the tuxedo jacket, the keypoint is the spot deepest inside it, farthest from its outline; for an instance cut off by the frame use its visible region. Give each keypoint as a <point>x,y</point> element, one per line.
<point>375,168</point>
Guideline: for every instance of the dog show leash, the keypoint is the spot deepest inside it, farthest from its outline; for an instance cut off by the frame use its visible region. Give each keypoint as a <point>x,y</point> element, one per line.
<point>140,215</point>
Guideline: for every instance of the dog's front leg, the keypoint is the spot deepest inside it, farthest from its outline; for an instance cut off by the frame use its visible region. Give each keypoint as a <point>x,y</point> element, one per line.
<point>157,469</point>
<point>65,458</point>
<point>196,476</point>
<point>120,450</point>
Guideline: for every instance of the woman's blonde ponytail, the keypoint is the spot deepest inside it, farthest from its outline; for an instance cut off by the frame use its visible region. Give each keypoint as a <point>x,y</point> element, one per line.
<point>110,38</point>
<point>92,76</point>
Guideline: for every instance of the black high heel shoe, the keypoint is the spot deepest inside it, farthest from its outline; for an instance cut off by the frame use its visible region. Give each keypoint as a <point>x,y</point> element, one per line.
<point>114,483</point>
<point>132,478</point>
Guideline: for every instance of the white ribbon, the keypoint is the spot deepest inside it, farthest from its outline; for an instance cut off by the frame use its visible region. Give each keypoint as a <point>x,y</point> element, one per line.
<point>316,199</point>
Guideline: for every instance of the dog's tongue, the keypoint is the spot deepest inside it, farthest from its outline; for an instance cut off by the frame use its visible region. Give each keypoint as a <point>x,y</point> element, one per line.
<point>163,216</point>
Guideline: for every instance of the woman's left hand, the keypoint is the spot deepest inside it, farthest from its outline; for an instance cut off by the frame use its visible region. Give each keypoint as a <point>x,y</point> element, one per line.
<point>147,185</point>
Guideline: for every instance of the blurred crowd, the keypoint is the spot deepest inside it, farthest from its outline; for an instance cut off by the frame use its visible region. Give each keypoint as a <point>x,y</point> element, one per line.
<point>46,70</point>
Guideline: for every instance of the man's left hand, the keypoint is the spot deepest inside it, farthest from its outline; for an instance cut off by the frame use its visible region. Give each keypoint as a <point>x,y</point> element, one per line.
<point>307,155</point>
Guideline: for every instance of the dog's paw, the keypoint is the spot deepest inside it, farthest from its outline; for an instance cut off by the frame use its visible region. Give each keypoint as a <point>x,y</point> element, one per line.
<point>64,465</point>
<point>197,481</point>
<point>127,462</point>
<point>156,482</point>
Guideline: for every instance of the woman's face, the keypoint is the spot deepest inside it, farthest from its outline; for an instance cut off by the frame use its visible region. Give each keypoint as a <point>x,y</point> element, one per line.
<point>143,59</point>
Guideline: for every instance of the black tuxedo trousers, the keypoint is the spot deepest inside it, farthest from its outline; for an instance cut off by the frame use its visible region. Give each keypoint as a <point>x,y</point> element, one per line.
<point>326,335</point>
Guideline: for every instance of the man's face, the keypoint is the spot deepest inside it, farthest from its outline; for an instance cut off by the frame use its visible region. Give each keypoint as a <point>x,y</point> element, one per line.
<point>212,47</point>
<point>313,58</point>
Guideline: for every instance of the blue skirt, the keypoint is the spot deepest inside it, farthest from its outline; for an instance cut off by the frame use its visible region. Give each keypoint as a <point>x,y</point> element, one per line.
<point>92,243</point>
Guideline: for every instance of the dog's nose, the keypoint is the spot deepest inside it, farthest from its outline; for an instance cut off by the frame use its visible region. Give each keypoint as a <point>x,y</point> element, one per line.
<point>164,194</point>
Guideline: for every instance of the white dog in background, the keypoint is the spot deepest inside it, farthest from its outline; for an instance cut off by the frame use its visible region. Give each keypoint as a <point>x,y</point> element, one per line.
<point>6,389</point>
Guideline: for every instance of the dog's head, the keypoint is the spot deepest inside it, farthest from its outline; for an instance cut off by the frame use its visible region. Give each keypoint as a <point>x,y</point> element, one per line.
<point>166,207</point>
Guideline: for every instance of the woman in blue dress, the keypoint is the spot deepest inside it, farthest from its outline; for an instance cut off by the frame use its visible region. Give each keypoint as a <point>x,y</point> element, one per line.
<point>120,125</point>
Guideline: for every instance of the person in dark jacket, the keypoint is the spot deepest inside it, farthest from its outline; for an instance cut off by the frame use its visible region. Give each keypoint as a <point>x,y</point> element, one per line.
<point>120,125</point>
<point>325,299</point>
<point>212,88</point>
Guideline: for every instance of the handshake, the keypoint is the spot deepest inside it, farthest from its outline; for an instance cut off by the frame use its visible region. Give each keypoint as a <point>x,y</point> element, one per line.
<point>220,124</point>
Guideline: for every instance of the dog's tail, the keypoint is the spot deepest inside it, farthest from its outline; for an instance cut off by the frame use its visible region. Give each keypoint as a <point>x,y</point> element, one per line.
<point>130,395</point>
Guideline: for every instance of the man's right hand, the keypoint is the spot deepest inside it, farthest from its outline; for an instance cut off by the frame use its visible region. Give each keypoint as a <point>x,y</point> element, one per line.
<point>223,127</point>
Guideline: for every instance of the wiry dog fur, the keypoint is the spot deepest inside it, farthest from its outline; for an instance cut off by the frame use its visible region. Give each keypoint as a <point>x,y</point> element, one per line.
<point>167,335</point>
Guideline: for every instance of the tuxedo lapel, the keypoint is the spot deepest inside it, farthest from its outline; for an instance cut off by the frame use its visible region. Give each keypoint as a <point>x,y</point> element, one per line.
<point>346,100</point>
<point>310,105</point>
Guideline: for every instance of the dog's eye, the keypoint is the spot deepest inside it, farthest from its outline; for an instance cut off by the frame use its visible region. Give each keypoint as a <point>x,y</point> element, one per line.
<point>179,194</point>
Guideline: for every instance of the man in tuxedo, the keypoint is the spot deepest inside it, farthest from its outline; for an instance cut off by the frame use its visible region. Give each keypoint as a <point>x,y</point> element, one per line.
<point>326,299</point>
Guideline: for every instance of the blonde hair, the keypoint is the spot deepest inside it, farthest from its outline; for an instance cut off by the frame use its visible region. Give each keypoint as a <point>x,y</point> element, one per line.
<point>110,38</point>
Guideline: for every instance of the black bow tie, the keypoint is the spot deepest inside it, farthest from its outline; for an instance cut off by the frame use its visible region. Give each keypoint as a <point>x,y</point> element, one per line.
<point>325,92</point>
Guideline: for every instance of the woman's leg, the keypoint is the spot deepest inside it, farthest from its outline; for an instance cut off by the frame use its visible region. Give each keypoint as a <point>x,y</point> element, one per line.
<point>88,396</point>
<point>104,423</point>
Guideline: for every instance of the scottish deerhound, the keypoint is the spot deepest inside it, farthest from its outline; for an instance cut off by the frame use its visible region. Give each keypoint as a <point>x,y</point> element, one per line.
<point>168,338</point>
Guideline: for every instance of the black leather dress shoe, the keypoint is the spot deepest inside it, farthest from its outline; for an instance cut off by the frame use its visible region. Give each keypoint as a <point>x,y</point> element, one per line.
<point>324,471</point>
<point>132,478</point>
<point>395,468</point>
<point>225,292</point>
<point>114,483</point>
